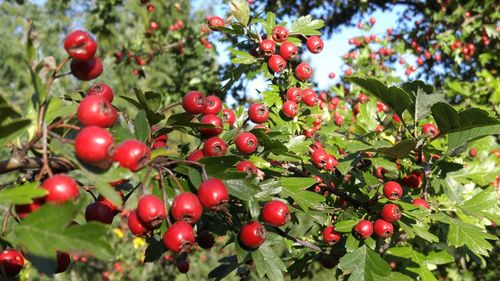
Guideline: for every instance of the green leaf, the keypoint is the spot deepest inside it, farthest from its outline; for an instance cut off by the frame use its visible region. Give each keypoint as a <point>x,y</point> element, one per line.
<point>425,234</point>
<point>142,129</point>
<point>153,116</point>
<point>365,264</point>
<point>154,251</point>
<point>227,265</point>
<point>243,189</point>
<point>351,243</point>
<point>424,103</point>
<point>400,149</point>
<point>345,226</point>
<point>297,183</point>
<point>307,26</point>
<point>23,194</point>
<point>13,129</point>
<point>484,200</point>
<point>241,57</point>
<point>268,263</point>
<point>240,10</point>
<point>218,165</point>
<point>438,258</point>
<point>417,259</point>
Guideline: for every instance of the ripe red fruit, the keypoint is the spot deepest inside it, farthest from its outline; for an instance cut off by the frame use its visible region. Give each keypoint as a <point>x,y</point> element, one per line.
<point>252,234</point>
<point>310,97</point>
<point>98,211</point>
<point>63,260</point>
<point>414,180</point>
<point>294,94</point>
<point>80,45</point>
<point>330,235</point>
<point>214,105</point>
<point>372,20</point>
<point>211,119</point>
<point>381,107</point>
<point>331,75</point>
<point>319,158</point>
<point>92,144</point>
<point>315,44</point>
<point>179,237</point>
<point>331,163</point>
<point>430,129</point>
<point>383,229</point>
<point>275,213</point>
<point>215,22</point>
<point>391,213</point>
<point>267,47</point>
<point>183,266</point>
<point>195,155</point>
<point>151,211</point>
<point>116,209</point>
<point>362,98</point>
<point>132,154</point>
<point>60,188</point>
<point>303,71</point>
<point>205,239</point>
<point>96,111</point>
<point>194,102</point>
<point>246,142</point>
<point>289,51</point>
<point>473,152</point>
<point>364,229</point>
<point>214,146</point>
<point>213,194</point>
<point>24,210</point>
<point>228,116</point>
<point>186,207</point>
<point>86,70</point>
<point>246,167</point>
<point>258,113</point>
<point>338,120</point>
<point>276,63</point>
<point>101,89</point>
<point>290,109</point>
<point>420,202</point>
<point>392,190</point>
<point>280,34</point>
<point>12,262</point>
<point>135,225</point>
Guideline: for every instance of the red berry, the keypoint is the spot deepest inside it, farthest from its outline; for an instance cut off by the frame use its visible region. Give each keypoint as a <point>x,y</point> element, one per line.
<point>12,262</point>
<point>381,107</point>
<point>100,212</point>
<point>154,25</point>
<point>289,50</point>
<point>183,266</point>
<point>362,98</point>
<point>215,22</point>
<point>391,213</point>
<point>294,94</point>
<point>473,152</point>
<point>290,109</point>
<point>275,213</point>
<point>86,70</point>
<point>267,47</point>
<point>310,97</point>
<point>186,207</point>
<point>63,261</point>
<point>24,210</point>
<point>135,225</point>
<point>430,130</point>
<point>194,102</point>
<point>179,237</point>
<point>315,44</point>
<point>214,146</point>
<point>205,239</point>
<point>80,45</point>
<point>276,63</point>
<point>246,142</point>
<point>414,180</point>
<point>319,158</point>
<point>331,163</point>
<point>303,71</point>
<point>252,235</point>
<point>214,105</point>
<point>228,116</point>
<point>258,113</point>
<point>211,119</point>
<point>383,229</point>
<point>96,111</point>
<point>116,209</point>
<point>93,144</point>
<point>363,229</point>
<point>213,194</point>
<point>331,75</point>
<point>60,188</point>
<point>195,155</point>
<point>372,20</point>
<point>246,167</point>
<point>330,235</point>
<point>132,154</point>
<point>101,89</point>
<point>151,211</point>
<point>421,203</point>
<point>392,190</point>
<point>309,133</point>
<point>280,34</point>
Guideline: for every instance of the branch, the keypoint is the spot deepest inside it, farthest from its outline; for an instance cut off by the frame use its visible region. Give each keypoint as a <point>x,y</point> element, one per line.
<point>57,164</point>
<point>304,243</point>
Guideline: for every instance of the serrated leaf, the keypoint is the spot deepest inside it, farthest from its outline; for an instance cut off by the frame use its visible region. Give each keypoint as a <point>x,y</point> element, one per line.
<point>417,259</point>
<point>400,149</point>
<point>13,129</point>
<point>227,265</point>
<point>154,251</point>
<point>241,57</point>
<point>23,194</point>
<point>345,226</point>
<point>307,26</point>
<point>425,234</point>
<point>141,126</point>
<point>438,258</point>
<point>240,10</point>
<point>218,165</point>
<point>424,102</point>
<point>293,183</point>
<point>268,263</point>
<point>242,189</point>
<point>152,116</point>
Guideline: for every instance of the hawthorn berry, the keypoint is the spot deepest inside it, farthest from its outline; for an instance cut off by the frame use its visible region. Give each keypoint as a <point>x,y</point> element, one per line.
<point>330,235</point>
<point>12,262</point>
<point>213,194</point>
<point>214,105</point>
<point>414,180</point>
<point>420,202</point>
<point>430,130</point>
<point>214,146</point>
<point>80,45</point>
<point>276,63</point>
<point>215,22</point>
<point>472,152</point>
<point>211,119</point>
<point>252,235</point>
<point>186,207</point>
<point>151,211</point>
<point>267,47</point>
<point>116,209</point>
<point>96,111</point>
<point>205,239</point>
<point>183,266</point>
<point>194,102</point>
<point>98,211</point>
<point>132,154</point>
<point>383,229</point>
<point>275,213</point>
<point>24,210</point>
<point>101,89</point>
<point>246,167</point>
<point>228,116</point>
<point>179,237</point>
<point>195,155</point>
<point>86,70</point>
<point>290,109</point>
<point>319,158</point>
<point>372,20</point>
<point>364,229</point>
<point>331,163</point>
<point>392,190</point>
<point>60,188</point>
<point>280,34</point>
<point>258,113</point>
<point>289,50</point>
<point>315,44</point>
<point>246,142</point>
<point>93,144</point>
<point>294,94</point>
<point>135,225</point>
<point>391,213</point>
<point>303,71</point>
<point>309,97</point>
<point>362,98</point>
<point>63,260</point>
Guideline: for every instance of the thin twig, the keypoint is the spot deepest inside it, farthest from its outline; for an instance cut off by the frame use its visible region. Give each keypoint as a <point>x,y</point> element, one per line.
<point>164,194</point>
<point>170,106</point>
<point>304,243</point>
<point>45,158</point>
<point>204,174</point>
<point>54,75</point>
<point>175,179</point>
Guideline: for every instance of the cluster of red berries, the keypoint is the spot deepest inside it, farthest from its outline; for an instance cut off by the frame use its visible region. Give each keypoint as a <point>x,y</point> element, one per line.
<point>82,48</point>
<point>322,159</point>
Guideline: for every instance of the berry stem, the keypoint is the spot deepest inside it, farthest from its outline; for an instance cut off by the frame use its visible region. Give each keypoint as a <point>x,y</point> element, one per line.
<point>170,106</point>
<point>304,243</point>
<point>164,194</point>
